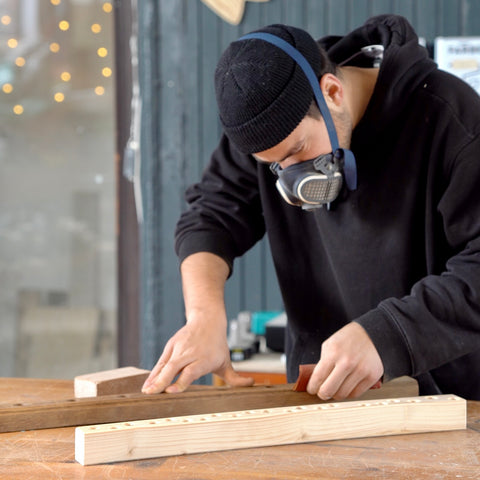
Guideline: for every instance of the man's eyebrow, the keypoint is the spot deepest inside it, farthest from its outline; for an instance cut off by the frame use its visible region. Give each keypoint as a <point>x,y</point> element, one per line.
<point>295,149</point>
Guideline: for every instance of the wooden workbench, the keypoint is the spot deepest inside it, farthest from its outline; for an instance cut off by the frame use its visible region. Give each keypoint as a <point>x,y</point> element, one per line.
<point>49,454</point>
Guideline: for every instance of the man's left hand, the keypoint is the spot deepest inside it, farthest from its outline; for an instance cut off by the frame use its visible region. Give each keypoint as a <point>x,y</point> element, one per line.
<point>349,365</point>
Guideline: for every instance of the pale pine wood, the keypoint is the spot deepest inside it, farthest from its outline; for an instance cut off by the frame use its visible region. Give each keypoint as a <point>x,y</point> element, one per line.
<point>267,427</point>
<point>110,382</point>
<point>229,10</point>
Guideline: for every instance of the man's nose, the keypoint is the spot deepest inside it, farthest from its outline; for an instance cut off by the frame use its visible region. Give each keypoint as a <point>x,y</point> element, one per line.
<point>288,162</point>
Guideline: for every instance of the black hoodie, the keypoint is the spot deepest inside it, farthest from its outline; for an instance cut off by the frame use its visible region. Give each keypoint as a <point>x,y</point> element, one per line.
<point>401,254</point>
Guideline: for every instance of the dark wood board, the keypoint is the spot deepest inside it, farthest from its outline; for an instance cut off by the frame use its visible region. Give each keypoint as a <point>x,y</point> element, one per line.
<point>23,415</point>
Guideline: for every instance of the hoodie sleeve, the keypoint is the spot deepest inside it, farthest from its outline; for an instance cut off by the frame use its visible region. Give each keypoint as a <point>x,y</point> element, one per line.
<point>439,321</point>
<point>224,215</point>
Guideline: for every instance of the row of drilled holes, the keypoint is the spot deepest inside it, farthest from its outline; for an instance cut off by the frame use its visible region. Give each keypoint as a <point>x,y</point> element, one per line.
<point>266,411</point>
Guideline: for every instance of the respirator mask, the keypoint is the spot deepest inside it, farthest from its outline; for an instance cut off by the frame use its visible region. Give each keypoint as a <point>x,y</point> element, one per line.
<point>311,183</point>
<point>314,183</point>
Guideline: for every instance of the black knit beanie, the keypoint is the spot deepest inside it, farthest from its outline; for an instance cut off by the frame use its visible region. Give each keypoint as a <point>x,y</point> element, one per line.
<point>262,93</point>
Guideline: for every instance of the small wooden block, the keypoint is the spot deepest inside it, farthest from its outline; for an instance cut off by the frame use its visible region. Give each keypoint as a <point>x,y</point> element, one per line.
<point>110,382</point>
<point>267,427</point>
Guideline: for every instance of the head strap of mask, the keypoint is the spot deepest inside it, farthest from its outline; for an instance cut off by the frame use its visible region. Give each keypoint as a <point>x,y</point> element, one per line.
<point>350,167</point>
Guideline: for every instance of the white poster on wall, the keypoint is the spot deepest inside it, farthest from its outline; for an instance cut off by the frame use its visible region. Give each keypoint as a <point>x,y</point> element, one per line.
<point>461,57</point>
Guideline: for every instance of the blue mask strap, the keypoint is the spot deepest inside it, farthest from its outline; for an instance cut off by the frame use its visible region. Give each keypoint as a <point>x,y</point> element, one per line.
<point>350,169</point>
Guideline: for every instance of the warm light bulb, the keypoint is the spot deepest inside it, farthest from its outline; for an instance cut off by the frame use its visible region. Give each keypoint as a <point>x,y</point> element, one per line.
<point>7,88</point>
<point>18,109</point>
<point>12,42</point>
<point>107,72</point>
<point>55,2</point>
<point>63,25</point>
<point>102,52</point>
<point>65,76</point>
<point>6,19</point>
<point>54,47</point>
<point>20,62</point>
<point>107,7</point>
<point>99,90</point>
<point>59,97</point>
<point>96,28</point>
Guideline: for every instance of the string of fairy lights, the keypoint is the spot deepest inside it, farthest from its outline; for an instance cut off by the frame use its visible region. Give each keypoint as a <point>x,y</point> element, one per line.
<point>64,25</point>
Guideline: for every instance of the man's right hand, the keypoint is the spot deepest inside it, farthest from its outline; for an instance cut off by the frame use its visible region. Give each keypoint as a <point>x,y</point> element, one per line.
<point>200,347</point>
<point>192,352</point>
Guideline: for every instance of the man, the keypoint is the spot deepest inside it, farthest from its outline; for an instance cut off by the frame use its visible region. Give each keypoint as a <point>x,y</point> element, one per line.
<point>384,279</point>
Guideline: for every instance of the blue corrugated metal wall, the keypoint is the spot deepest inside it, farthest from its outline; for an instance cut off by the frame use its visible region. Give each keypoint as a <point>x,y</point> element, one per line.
<point>179,44</point>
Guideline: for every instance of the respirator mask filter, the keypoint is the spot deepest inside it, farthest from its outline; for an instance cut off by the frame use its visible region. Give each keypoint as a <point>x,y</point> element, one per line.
<point>311,183</point>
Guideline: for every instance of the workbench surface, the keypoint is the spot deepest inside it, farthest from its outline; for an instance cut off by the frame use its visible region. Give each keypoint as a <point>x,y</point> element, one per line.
<point>49,454</point>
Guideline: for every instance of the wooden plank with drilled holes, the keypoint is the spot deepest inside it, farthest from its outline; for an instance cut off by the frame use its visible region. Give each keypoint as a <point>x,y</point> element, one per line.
<point>196,400</point>
<point>267,427</point>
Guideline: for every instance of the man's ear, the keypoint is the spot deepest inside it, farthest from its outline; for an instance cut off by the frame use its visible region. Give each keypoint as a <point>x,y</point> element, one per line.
<point>332,89</point>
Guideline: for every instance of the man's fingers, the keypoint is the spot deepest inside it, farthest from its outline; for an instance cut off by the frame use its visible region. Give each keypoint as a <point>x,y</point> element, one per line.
<point>320,373</point>
<point>153,375</point>
<point>232,378</point>
<point>349,365</point>
<point>159,366</point>
<point>192,373</point>
<point>363,386</point>
<point>340,385</point>
<point>346,388</point>
<point>332,384</point>
<point>164,378</point>
<point>188,375</point>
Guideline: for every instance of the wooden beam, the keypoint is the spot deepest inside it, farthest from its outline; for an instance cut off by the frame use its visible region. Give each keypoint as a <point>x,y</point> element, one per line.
<point>110,382</point>
<point>196,400</point>
<point>267,427</point>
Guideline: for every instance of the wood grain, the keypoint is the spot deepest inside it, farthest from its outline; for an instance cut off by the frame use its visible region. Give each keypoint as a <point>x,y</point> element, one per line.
<point>50,453</point>
<point>266,427</point>
<point>110,382</point>
<point>24,415</point>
